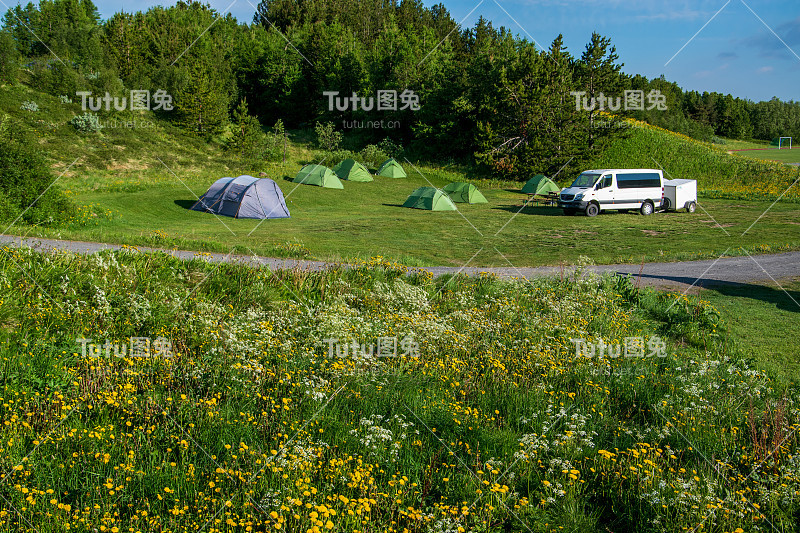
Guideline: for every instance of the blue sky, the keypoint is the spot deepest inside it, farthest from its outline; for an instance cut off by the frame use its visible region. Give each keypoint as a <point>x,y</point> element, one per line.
<point>736,52</point>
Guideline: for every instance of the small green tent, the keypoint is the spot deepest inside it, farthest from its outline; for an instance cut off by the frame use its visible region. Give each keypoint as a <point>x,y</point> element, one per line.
<point>352,170</point>
<point>431,199</point>
<point>464,192</point>
<point>318,175</point>
<point>391,169</point>
<point>540,185</point>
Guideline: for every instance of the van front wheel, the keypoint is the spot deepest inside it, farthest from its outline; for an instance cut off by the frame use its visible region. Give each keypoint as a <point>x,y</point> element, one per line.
<point>592,210</point>
<point>647,208</point>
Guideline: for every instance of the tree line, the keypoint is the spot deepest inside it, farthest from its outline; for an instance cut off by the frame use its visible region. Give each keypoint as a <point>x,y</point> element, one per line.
<point>485,95</point>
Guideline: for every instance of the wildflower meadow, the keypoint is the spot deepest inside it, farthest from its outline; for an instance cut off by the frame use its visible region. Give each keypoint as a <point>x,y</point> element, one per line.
<point>143,393</point>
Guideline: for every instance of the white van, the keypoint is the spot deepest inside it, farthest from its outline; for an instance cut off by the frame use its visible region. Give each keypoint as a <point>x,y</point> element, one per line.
<point>621,189</point>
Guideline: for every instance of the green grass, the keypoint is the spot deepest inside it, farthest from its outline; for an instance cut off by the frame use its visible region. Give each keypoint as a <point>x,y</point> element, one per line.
<point>738,144</point>
<point>366,220</point>
<point>763,319</point>
<point>140,182</point>
<point>783,156</point>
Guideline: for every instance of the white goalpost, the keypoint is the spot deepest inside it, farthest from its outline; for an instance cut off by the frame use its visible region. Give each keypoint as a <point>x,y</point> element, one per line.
<point>781,142</point>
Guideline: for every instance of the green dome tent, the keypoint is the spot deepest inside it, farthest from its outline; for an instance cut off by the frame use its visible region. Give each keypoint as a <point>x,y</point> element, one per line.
<point>464,192</point>
<point>318,175</point>
<point>352,170</point>
<point>431,199</point>
<point>540,185</point>
<point>391,169</point>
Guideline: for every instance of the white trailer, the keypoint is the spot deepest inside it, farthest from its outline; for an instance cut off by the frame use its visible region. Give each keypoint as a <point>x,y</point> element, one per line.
<point>680,194</point>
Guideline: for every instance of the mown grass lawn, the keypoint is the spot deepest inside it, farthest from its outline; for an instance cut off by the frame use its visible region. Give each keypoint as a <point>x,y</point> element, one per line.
<point>784,155</point>
<point>364,220</point>
<point>763,319</point>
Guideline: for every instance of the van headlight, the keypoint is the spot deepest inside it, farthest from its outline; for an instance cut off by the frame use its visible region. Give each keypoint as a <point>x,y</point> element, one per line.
<point>579,196</point>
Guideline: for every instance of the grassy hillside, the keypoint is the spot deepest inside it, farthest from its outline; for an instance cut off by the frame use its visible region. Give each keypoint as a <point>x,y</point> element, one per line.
<point>122,150</point>
<point>718,173</point>
<point>252,424</point>
<point>130,142</point>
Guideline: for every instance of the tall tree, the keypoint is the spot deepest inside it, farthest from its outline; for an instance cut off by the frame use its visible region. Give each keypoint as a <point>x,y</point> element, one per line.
<point>536,127</point>
<point>248,140</point>
<point>599,76</point>
<point>19,22</point>
<point>200,103</point>
<point>9,58</point>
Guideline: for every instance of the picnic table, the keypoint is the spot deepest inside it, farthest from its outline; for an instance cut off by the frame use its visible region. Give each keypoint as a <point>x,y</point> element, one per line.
<point>543,199</point>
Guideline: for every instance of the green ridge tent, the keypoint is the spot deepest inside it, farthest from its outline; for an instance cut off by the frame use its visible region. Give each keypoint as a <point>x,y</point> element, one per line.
<point>431,199</point>
<point>318,175</point>
<point>464,192</point>
<point>391,169</point>
<point>352,170</point>
<point>540,185</point>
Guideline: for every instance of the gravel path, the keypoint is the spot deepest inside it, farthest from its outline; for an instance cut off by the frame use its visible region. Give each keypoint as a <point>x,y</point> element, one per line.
<point>725,271</point>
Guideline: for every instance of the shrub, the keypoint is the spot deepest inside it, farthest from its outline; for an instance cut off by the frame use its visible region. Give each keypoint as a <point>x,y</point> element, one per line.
<point>106,81</point>
<point>331,158</point>
<point>29,105</point>
<point>248,140</point>
<point>391,148</point>
<point>26,179</point>
<point>87,123</point>
<point>372,156</point>
<point>327,137</point>
<point>276,140</point>
<point>8,209</point>
<point>57,78</point>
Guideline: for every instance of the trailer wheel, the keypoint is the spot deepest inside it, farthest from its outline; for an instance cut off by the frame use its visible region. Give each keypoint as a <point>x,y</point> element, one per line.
<point>592,210</point>
<point>691,207</point>
<point>665,205</point>
<point>647,208</point>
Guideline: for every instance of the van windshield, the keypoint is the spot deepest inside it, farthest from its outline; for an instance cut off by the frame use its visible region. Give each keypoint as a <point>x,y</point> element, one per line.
<point>585,180</point>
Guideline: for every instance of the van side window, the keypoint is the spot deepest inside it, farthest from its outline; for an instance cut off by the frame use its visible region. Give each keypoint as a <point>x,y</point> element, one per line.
<point>635,181</point>
<point>606,182</point>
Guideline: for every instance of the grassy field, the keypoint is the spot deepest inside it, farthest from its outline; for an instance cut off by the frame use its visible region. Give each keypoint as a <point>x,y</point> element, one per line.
<point>137,183</point>
<point>487,421</point>
<point>763,319</point>
<point>366,220</point>
<point>783,156</point>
